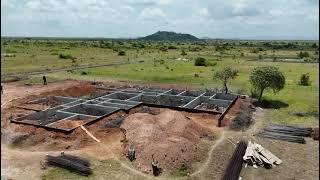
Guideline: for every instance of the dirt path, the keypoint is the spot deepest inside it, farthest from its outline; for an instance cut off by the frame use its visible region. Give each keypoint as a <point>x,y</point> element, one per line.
<point>209,157</point>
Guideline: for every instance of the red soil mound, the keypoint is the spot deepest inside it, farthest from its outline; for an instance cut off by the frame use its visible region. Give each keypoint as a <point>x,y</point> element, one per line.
<point>173,138</point>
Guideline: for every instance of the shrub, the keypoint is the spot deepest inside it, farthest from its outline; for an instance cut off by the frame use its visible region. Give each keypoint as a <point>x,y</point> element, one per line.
<point>183,53</point>
<point>66,56</point>
<point>302,55</point>
<point>164,49</point>
<point>83,73</point>
<point>274,58</point>
<point>196,75</point>
<point>172,47</point>
<point>305,80</point>
<point>200,61</point>
<point>121,53</point>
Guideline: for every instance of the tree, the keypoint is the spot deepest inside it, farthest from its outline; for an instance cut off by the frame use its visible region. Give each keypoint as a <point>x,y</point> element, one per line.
<point>200,62</point>
<point>183,53</point>
<point>302,55</point>
<point>267,77</point>
<point>122,53</point>
<point>225,75</point>
<point>305,80</point>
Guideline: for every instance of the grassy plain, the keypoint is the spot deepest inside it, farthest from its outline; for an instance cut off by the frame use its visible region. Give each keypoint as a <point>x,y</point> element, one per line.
<point>152,64</point>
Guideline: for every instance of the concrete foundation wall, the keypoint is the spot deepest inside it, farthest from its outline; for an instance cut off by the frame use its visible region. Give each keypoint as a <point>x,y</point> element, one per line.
<point>220,103</point>
<point>191,93</point>
<point>89,110</point>
<point>224,96</point>
<point>94,110</point>
<point>120,95</point>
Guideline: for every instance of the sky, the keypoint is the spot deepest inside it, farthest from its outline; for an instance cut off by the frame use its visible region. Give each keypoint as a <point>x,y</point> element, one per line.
<point>243,19</point>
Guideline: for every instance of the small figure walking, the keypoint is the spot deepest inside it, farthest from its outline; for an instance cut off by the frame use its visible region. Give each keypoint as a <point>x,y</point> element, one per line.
<point>1,89</point>
<point>155,167</point>
<point>44,80</point>
<point>131,153</point>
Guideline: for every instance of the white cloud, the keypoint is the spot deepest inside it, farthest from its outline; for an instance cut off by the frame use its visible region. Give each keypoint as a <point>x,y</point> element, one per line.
<point>151,14</point>
<point>203,12</point>
<point>216,18</point>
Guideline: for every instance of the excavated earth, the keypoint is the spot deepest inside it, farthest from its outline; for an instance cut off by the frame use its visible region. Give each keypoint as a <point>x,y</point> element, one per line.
<point>174,138</point>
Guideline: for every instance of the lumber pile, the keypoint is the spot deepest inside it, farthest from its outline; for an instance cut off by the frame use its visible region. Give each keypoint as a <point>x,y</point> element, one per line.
<point>235,164</point>
<point>69,162</point>
<point>286,133</point>
<point>256,156</point>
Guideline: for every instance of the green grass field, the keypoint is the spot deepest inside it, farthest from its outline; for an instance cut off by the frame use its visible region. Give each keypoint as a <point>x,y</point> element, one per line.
<point>153,65</point>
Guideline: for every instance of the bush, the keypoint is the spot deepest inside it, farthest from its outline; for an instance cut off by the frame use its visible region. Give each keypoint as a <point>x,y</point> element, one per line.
<point>196,75</point>
<point>121,53</point>
<point>274,59</point>
<point>243,119</point>
<point>183,53</point>
<point>83,73</point>
<point>302,55</point>
<point>163,48</point>
<point>66,56</point>
<point>172,47</point>
<point>200,61</point>
<point>305,80</point>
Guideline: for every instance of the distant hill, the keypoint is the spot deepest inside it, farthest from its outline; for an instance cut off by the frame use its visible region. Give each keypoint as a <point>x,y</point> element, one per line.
<point>169,36</point>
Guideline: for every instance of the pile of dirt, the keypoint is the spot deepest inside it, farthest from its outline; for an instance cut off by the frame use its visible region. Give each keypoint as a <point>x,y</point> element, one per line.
<point>173,138</point>
<point>243,118</point>
<point>235,110</point>
<point>75,91</point>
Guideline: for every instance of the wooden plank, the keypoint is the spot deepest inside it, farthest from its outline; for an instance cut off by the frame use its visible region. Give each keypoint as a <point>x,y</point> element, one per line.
<point>85,130</point>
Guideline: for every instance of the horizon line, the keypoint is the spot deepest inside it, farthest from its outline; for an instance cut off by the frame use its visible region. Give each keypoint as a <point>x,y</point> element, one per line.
<point>132,38</point>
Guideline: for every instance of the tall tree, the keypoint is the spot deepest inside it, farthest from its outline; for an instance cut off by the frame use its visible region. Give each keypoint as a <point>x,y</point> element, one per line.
<point>267,77</point>
<point>225,75</point>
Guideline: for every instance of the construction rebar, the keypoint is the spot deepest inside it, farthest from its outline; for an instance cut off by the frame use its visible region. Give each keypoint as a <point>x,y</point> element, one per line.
<point>76,159</point>
<point>283,137</point>
<point>235,164</point>
<point>59,161</point>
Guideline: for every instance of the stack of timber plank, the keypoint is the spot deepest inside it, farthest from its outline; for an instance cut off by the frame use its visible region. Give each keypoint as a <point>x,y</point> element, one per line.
<point>256,155</point>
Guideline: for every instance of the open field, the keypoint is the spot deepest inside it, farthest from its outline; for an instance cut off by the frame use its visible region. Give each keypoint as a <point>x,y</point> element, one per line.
<point>151,62</point>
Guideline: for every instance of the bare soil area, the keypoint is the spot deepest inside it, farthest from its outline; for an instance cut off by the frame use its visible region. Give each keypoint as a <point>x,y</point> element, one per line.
<point>174,138</point>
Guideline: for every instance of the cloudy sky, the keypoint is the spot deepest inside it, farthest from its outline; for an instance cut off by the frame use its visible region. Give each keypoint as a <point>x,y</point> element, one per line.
<point>285,19</point>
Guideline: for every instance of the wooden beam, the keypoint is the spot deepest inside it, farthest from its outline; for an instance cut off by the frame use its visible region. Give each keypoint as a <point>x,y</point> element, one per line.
<point>85,130</point>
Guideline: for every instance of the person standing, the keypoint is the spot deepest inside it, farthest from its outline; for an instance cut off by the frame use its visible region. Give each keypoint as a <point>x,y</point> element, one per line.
<point>44,80</point>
